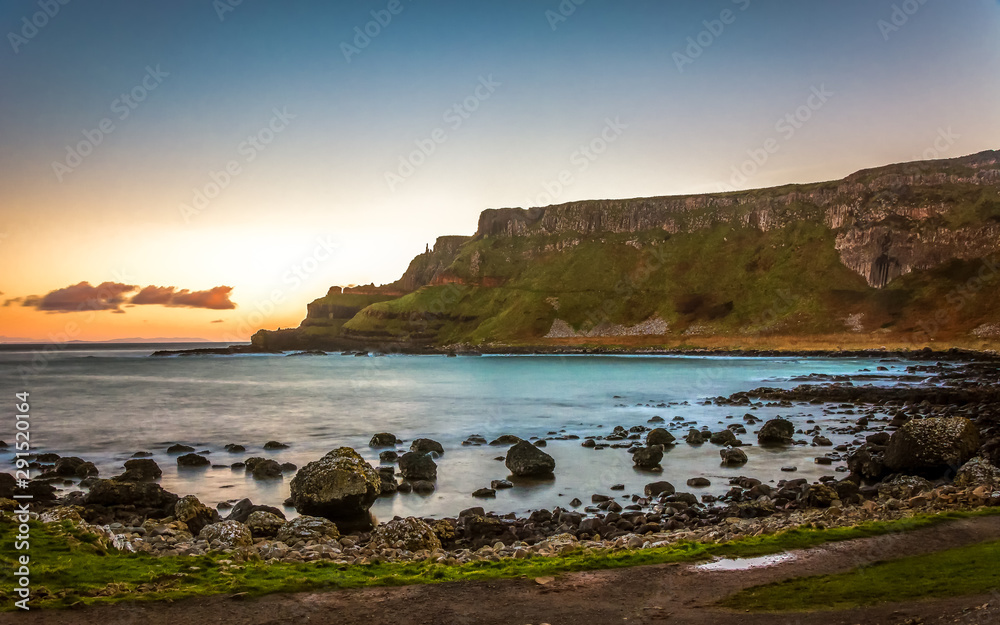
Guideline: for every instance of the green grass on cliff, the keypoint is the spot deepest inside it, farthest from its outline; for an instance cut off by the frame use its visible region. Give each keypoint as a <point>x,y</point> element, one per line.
<point>68,569</point>
<point>963,571</point>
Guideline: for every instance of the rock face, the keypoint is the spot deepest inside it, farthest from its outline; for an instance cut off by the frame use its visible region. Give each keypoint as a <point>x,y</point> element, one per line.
<point>229,534</point>
<point>526,460</point>
<point>409,533</point>
<point>417,466</point>
<point>648,457</point>
<point>932,444</point>
<point>659,436</point>
<point>776,432</point>
<point>305,528</point>
<point>338,486</point>
<point>140,470</point>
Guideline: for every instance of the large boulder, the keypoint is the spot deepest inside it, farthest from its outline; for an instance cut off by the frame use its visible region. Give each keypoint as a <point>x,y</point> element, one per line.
<point>659,436</point>
<point>417,466</point>
<point>194,513</point>
<point>977,472</point>
<point>648,457</point>
<point>776,432</point>
<point>339,486</point>
<point>426,446</point>
<point>409,533</point>
<point>733,457</point>
<point>229,534</point>
<point>264,524</point>
<point>526,460</point>
<point>139,470</point>
<point>305,528</point>
<point>930,445</point>
<point>138,494</point>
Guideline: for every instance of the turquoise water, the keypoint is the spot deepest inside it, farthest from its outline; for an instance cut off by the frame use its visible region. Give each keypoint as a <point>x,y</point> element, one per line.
<point>105,404</point>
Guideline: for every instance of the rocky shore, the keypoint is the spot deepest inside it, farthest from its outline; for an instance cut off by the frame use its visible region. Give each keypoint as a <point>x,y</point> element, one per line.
<point>917,448</point>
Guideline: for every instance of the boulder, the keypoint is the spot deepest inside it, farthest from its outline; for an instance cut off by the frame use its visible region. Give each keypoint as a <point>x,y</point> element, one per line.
<point>820,495</point>
<point>426,446</point>
<point>179,449</point>
<point>388,484</point>
<point>932,444</point>
<point>417,466</point>
<point>654,489</point>
<point>383,439</point>
<point>409,533</point>
<point>139,470</point>
<point>776,432</point>
<point>903,487</point>
<point>526,460</point>
<point>230,534</point>
<point>138,494</point>
<point>648,457</point>
<point>233,448</point>
<point>694,437</point>
<point>388,456</point>
<point>506,439</point>
<point>264,524</point>
<point>266,470</point>
<point>192,460</point>
<point>725,437</point>
<point>194,513</point>
<point>340,486</point>
<point>977,472</point>
<point>733,457</point>
<point>423,487</point>
<point>304,528</point>
<point>867,461</point>
<point>75,467</point>
<point>274,445</point>
<point>244,508</point>
<point>659,436</point>
<point>699,482</point>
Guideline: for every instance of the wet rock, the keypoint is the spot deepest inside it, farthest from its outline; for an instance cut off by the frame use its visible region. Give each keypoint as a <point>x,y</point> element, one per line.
<point>699,482</point>
<point>229,534</point>
<point>776,432</point>
<point>659,436</point>
<point>339,486</point>
<point>142,454</point>
<point>266,470</point>
<point>192,460</point>
<point>866,461</point>
<point>74,467</point>
<point>484,493</point>
<point>654,489</point>
<point>194,513</point>
<point>590,443</point>
<point>389,485</point>
<point>388,456</point>
<point>138,494</point>
<point>140,470</point>
<point>423,487</point>
<point>725,437</point>
<point>410,534</point>
<point>274,445</point>
<point>288,467</point>
<point>932,444</point>
<point>576,503</point>
<point>501,484</point>
<point>264,524</point>
<point>526,460</point>
<point>307,528</point>
<point>233,448</point>
<point>648,457</point>
<point>694,437</point>
<point>878,438</point>
<point>733,457</point>
<point>383,439</point>
<point>426,446</point>
<point>417,466</point>
<point>179,449</point>
<point>506,439</point>
<point>822,441</point>
<point>977,472</point>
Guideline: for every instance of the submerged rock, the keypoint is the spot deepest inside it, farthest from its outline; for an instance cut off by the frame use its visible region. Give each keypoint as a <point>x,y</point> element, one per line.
<point>526,460</point>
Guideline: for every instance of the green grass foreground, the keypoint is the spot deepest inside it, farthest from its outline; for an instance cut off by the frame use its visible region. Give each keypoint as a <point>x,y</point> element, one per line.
<point>68,568</point>
<point>963,571</point>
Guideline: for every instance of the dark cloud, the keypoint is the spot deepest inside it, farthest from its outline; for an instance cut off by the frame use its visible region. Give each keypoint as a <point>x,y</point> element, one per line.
<point>113,295</point>
<point>213,299</point>
<point>82,297</point>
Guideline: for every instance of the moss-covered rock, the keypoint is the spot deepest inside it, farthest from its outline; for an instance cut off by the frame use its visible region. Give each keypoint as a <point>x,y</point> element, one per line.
<point>932,444</point>
<point>410,533</point>
<point>338,486</point>
<point>305,528</point>
<point>230,534</point>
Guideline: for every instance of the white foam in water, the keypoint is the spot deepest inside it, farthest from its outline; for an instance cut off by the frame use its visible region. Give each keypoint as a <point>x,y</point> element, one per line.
<point>743,564</point>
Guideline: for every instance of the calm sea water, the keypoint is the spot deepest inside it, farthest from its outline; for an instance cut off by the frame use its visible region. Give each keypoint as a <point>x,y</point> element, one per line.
<point>103,404</point>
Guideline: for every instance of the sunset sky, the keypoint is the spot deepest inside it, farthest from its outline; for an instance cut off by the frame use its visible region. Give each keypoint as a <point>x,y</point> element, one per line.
<point>217,165</point>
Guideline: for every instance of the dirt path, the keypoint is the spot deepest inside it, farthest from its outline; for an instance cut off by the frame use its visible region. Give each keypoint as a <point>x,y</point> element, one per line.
<point>650,594</point>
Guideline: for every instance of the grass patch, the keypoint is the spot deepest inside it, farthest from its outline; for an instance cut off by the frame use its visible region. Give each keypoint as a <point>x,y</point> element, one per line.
<point>963,571</point>
<point>68,568</point>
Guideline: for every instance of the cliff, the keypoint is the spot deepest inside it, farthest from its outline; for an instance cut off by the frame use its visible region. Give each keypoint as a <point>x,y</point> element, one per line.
<point>895,254</point>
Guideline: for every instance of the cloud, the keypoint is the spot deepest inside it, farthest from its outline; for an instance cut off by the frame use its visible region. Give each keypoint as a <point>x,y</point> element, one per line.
<point>217,321</point>
<point>82,297</point>
<point>113,295</point>
<point>213,299</point>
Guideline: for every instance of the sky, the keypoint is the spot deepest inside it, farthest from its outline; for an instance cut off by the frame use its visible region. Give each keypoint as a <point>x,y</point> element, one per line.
<point>207,168</point>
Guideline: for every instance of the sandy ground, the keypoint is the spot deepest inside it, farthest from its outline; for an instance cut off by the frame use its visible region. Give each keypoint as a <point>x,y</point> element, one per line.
<point>649,594</point>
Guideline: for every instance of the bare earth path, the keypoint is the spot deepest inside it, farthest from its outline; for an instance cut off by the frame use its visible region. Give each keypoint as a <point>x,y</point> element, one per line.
<point>648,594</point>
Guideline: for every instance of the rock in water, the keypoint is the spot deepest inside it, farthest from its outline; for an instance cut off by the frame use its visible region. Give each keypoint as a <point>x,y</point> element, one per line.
<point>139,470</point>
<point>192,460</point>
<point>776,432</point>
<point>339,486</point>
<point>74,467</point>
<point>383,439</point>
<point>648,457</point>
<point>410,534</point>
<point>417,466</point>
<point>526,460</point>
<point>659,436</point>
<point>656,488</point>
<point>732,457</point>
<point>266,470</point>
<point>426,446</point>
<point>932,444</point>
<point>725,437</point>
<point>230,534</point>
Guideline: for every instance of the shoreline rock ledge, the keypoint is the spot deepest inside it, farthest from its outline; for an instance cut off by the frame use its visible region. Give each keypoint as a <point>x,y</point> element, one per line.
<point>341,486</point>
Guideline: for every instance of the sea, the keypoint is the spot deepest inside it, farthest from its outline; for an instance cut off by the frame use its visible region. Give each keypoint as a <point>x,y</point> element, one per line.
<point>105,402</point>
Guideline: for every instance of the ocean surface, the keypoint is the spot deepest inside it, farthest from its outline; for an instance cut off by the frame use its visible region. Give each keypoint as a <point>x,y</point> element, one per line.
<point>103,403</point>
